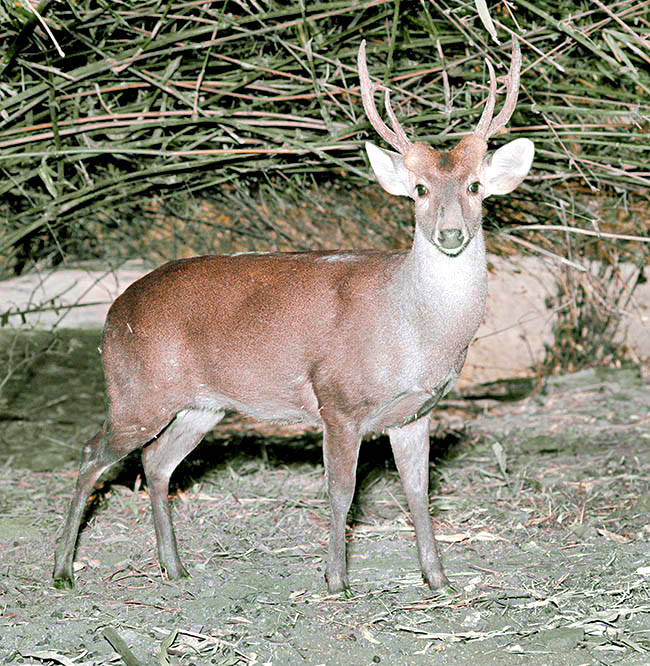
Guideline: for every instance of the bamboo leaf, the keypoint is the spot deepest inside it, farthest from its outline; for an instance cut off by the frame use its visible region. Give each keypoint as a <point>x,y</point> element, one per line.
<point>486,19</point>
<point>47,176</point>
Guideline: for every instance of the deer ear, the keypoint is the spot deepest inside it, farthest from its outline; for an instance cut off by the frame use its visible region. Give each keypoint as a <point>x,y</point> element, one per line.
<point>506,168</point>
<point>389,168</point>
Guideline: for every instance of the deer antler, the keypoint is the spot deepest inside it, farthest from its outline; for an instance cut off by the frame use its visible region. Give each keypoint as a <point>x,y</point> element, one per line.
<point>396,137</point>
<point>486,126</point>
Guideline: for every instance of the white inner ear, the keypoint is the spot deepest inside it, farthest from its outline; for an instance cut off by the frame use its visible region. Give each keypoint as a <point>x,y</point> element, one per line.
<point>504,170</point>
<point>389,169</point>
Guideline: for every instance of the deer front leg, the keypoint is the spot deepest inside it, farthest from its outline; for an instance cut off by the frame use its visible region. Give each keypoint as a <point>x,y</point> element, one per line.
<point>410,445</point>
<point>341,444</point>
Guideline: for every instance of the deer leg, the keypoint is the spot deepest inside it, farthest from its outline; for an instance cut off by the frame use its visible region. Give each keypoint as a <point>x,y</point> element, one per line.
<point>99,453</point>
<point>160,458</point>
<point>340,452</point>
<point>410,445</point>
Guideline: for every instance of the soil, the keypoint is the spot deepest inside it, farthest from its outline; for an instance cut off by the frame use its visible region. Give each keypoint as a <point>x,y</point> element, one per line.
<point>540,506</point>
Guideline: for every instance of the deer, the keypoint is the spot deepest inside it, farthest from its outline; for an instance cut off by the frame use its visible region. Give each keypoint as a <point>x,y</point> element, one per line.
<point>360,342</point>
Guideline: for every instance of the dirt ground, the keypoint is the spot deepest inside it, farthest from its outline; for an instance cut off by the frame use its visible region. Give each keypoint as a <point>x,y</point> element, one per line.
<point>541,507</point>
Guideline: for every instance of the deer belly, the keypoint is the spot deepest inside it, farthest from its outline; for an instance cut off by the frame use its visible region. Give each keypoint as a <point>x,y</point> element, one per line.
<point>291,400</point>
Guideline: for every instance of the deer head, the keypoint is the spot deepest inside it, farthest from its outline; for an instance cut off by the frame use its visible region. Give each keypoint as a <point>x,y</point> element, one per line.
<point>448,188</point>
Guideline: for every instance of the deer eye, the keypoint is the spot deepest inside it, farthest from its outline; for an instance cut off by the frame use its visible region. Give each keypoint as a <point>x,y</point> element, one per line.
<point>475,187</point>
<point>421,190</point>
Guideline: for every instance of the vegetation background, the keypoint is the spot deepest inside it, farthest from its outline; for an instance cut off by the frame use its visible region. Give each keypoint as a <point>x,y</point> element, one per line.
<point>164,129</point>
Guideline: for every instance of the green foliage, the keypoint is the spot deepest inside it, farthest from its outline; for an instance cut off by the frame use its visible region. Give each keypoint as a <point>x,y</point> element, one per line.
<point>105,106</point>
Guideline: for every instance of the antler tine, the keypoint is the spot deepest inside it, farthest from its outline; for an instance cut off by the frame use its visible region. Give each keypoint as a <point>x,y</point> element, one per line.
<point>486,118</point>
<point>512,86</point>
<point>397,138</point>
<point>399,130</point>
<point>486,126</point>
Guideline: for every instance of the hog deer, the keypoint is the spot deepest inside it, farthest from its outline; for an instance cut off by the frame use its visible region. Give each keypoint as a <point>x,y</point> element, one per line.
<point>359,342</point>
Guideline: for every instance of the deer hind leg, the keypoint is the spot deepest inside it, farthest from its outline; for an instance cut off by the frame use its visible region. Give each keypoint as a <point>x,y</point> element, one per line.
<point>100,452</point>
<point>410,445</point>
<point>160,458</point>
<point>340,452</point>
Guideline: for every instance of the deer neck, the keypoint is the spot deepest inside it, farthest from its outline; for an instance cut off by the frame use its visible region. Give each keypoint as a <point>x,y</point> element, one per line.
<point>448,291</point>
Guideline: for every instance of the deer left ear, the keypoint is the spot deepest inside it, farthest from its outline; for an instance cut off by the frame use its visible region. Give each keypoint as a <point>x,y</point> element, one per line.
<point>505,169</point>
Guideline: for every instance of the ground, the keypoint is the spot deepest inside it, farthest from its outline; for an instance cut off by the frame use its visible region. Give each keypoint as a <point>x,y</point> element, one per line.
<point>540,506</point>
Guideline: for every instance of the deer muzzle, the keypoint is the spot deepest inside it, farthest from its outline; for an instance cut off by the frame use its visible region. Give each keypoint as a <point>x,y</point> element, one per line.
<point>451,240</point>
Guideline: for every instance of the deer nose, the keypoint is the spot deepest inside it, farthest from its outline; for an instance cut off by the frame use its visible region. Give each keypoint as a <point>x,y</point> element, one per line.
<point>450,239</point>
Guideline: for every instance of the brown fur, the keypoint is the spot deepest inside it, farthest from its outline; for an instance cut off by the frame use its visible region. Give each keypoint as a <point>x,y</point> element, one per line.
<point>458,163</point>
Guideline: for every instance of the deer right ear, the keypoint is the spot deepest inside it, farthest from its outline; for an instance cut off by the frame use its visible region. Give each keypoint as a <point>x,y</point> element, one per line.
<point>389,168</point>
